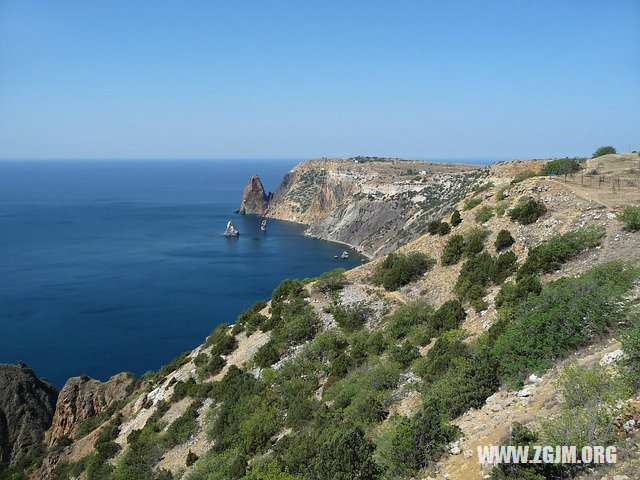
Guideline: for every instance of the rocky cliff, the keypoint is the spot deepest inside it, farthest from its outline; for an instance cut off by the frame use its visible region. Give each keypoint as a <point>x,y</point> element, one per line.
<point>26,409</point>
<point>82,398</point>
<point>372,204</point>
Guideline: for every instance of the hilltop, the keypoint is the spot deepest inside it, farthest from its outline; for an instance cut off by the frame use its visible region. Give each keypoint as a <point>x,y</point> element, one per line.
<point>525,288</point>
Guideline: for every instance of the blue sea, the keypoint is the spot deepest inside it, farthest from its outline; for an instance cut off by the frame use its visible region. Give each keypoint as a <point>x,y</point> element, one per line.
<point>110,266</point>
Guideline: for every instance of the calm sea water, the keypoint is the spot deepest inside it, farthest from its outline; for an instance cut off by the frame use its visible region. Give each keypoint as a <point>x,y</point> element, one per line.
<point>121,266</point>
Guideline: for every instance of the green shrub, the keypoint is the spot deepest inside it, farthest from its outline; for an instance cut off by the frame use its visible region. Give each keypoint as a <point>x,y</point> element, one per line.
<point>447,349</point>
<point>353,317</point>
<point>399,269</point>
<point>433,226</point>
<point>471,203</point>
<point>474,240</point>
<point>560,166</point>
<point>631,347</point>
<point>630,216</point>
<point>527,212</point>
<point>267,355</point>
<point>503,240</point>
<point>455,218</point>
<point>444,228</point>
<point>503,267</point>
<point>552,253</point>
<point>567,314</point>
<point>604,151</point>
<point>407,317</point>
<point>592,399</point>
<point>512,294</point>
<point>449,316</point>
<point>403,354</point>
<point>347,454</point>
<point>331,281</point>
<point>501,208</point>
<point>453,250</point>
<point>474,277</point>
<point>224,345</point>
<point>484,214</point>
<point>523,176</point>
<point>500,195</point>
<point>191,458</point>
<point>415,442</point>
<point>484,187</point>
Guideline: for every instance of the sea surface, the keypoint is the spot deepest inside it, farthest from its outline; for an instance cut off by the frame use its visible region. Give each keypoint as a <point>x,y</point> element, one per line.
<point>110,266</point>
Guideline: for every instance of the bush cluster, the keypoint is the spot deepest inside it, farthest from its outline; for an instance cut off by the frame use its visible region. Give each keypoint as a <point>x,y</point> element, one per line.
<point>604,151</point>
<point>484,214</point>
<point>400,269</point>
<point>549,255</point>
<point>567,313</point>
<point>561,166</point>
<point>331,281</point>
<point>528,212</point>
<point>630,216</point>
<point>438,227</point>
<point>471,203</point>
<point>503,240</point>
<point>457,246</point>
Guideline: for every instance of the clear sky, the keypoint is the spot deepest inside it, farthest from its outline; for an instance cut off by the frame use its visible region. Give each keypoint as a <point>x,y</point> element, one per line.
<point>301,79</point>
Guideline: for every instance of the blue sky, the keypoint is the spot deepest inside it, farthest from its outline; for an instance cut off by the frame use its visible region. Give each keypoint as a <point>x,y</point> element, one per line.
<point>301,79</point>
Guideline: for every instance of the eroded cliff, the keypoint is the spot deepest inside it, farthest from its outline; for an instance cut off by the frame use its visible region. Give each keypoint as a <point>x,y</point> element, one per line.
<point>372,204</point>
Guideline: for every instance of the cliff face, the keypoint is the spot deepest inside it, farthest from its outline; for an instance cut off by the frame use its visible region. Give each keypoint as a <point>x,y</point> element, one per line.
<point>254,198</point>
<point>81,398</point>
<point>26,409</point>
<point>373,205</point>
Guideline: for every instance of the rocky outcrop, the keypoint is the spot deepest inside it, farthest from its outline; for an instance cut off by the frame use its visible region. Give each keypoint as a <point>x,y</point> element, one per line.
<point>26,410</point>
<point>83,397</point>
<point>254,199</point>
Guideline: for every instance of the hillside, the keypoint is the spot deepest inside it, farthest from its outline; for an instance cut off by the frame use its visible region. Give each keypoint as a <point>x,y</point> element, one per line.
<point>484,328</point>
<point>371,204</point>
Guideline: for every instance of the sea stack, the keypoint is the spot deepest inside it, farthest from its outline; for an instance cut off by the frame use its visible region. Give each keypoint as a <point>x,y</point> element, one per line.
<point>254,199</point>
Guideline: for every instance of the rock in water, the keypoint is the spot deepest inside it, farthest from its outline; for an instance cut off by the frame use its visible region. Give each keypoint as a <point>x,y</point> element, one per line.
<point>231,231</point>
<point>26,410</point>
<point>82,398</point>
<point>254,198</point>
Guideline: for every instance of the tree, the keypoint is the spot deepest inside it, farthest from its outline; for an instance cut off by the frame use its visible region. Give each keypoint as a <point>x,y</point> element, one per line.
<point>604,151</point>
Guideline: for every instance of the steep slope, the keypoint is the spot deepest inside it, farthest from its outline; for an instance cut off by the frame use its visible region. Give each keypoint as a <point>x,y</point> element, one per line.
<point>26,410</point>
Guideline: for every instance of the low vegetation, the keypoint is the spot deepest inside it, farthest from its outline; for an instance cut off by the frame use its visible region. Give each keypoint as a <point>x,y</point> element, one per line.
<point>604,151</point>
<point>484,214</point>
<point>630,216</point>
<point>503,240</point>
<point>561,166</point>
<point>567,314</point>
<point>527,212</point>
<point>471,203</point>
<point>549,255</point>
<point>399,269</point>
